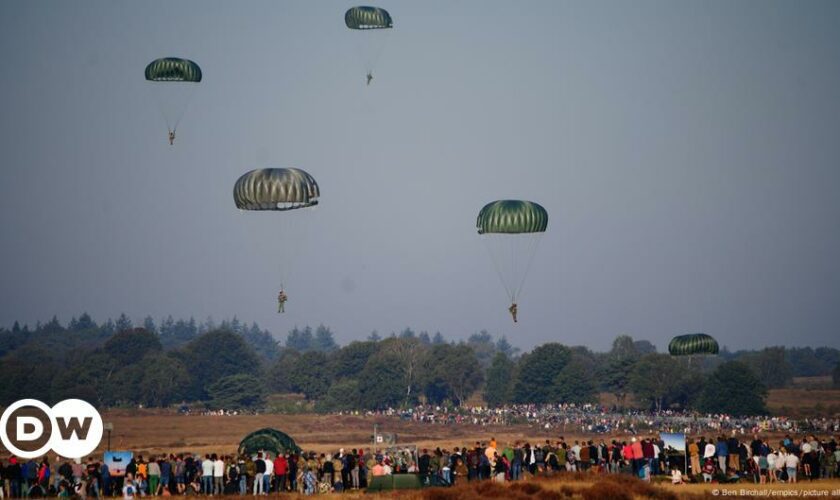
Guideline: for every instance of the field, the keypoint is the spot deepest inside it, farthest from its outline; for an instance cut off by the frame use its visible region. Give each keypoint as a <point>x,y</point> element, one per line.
<point>154,431</point>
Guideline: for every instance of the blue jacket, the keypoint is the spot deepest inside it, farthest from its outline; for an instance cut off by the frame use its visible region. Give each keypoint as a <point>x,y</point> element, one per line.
<point>721,449</point>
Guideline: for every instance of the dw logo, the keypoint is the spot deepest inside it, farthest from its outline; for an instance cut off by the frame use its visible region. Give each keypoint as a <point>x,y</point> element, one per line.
<point>72,428</point>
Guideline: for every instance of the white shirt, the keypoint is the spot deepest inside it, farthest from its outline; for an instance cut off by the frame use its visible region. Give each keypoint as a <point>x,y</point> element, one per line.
<point>219,468</point>
<point>710,451</point>
<point>791,461</point>
<point>207,467</point>
<point>269,466</point>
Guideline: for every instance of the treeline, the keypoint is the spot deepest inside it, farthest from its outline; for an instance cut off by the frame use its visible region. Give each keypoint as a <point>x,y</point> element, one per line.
<point>233,365</point>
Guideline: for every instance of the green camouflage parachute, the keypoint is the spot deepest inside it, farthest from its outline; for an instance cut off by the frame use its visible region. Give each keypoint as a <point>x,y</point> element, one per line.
<point>275,189</point>
<point>173,69</point>
<point>695,343</point>
<point>367,18</point>
<point>270,440</point>
<point>511,230</point>
<point>512,217</point>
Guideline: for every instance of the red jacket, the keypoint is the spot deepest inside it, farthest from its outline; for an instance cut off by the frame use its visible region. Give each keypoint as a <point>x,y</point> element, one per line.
<point>280,466</point>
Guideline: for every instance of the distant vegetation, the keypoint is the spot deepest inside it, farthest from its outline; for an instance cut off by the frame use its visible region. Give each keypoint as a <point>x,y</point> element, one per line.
<point>232,365</point>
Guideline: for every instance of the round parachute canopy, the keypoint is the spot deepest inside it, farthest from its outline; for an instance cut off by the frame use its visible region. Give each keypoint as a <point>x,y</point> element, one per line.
<point>512,217</point>
<point>367,18</point>
<point>275,189</point>
<point>173,69</point>
<point>695,343</point>
<point>270,440</point>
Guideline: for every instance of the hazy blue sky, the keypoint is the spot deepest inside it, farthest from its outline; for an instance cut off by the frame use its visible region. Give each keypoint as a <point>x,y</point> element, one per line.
<point>688,153</point>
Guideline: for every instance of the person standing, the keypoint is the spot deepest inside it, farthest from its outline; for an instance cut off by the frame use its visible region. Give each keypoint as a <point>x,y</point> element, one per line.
<point>154,476</point>
<point>218,475</point>
<point>207,475</point>
<point>694,457</point>
<point>260,472</point>
<point>281,467</point>
<point>269,470</point>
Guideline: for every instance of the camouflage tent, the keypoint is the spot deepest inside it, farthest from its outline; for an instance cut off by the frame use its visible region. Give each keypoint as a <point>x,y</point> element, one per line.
<point>270,440</point>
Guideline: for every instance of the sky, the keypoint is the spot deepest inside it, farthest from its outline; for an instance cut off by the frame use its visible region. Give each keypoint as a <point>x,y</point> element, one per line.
<point>686,152</point>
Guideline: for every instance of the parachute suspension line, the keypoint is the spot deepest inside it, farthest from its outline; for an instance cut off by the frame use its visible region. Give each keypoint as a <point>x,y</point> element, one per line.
<point>531,251</point>
<point>186,106</point>
<point>497,266</point>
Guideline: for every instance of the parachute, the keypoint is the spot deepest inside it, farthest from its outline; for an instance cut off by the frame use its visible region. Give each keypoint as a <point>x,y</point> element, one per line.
<point>275,189</point>
<point>370,26</point>
<point>367,18</point>
<point>270,440</point>
<point>695,343</point>
<point>511,230</point>
<point>289,190</point>
<point>175,80</point>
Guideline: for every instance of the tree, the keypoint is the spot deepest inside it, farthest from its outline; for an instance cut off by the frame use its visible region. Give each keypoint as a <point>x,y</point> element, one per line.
<point>835,375</point>
<point>130,346</point>
<point>265,345</point>
<point>343,395</point>
<point>536,372</point>
<point>85,322</point>
<point>574,383</point>
<point>656,377</point>
<point>377,382</point>
<point>733,389</point>
<point>351,359</point>
<point>236,392</point>
<point>624,346</point>
<point>483,346</point>
<point>500,376</point>
<point>503,346</point>
<point>280,370</point>
<point>406,353</point>
<point>451,372</point>
<point>324,340</point>
<point>165,380</point>
<point>123,323</point>
<point>644,347</point>
<point>619,364</point>
<point>374,336</point>
<point>308,375</point>
<point>216,355</point>
<point>770,365</point>
<point>437,338</point>
<point>149,324</point>
<point>300,340</point>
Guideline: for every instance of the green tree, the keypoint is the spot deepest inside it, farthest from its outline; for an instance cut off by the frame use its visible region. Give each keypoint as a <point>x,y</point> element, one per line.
<point>309,376</point>
<point>216,355</point>
<point>236,392</point>
<point>656,378</point>
<point>300,340</point>
<point>500,376</point>
<point>451,372</point>
<point>324,340</point>
<point>165,380</point>
<point>123,323</point>
<point>130,346</point>
<point>619,364</point>
<point>536,372</point>
<point>484,347</point>
<point>279,372</point>
<point>406,353</point>
<point>377,381</point>
<point>574,384</point>
<point>343,395</point>
<point>351,359</point>
<point>770,365</point>
<point>734,389</point>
